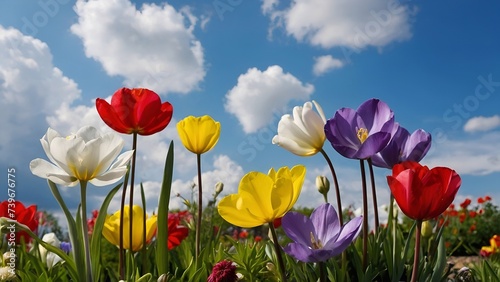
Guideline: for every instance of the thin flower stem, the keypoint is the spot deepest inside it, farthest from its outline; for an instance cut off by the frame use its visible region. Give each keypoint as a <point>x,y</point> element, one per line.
<point>85,229</point>
<point>365,214</point>
<point>416,256</point>
<point>200,198</point>
<point>277,248</point>
<point>374,194</point>
<point>336,184</point>
<point>131,195</point>
<point>322,271</point>
<point>121,254</point>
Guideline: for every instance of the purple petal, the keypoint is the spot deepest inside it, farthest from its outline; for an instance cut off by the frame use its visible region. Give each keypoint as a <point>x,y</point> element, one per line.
<point>299,252</point>
<point>417,146</point>
<point>390,155</point>
<point>325,221</point>
<point>298,227</point>
<point>375,114</point>
<point>372,145</point>
<point>349,232</point>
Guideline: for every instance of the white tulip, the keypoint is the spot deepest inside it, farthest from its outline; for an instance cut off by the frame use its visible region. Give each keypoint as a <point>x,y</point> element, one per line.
<point>49,258</point>
<point>84,156</point>
<point>304,133</point>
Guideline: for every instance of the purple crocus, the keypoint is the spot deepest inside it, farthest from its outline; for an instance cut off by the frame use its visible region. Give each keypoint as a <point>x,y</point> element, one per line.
<point>361,133</point>
<point>319,237</point>
<point>403,147</point>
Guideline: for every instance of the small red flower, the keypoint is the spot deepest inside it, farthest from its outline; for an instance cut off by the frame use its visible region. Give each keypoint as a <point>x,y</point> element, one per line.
<point>472,214</point>
<point>176,232</point>
<point>223,271</point>
<point>472,228</point>
<point>243,234</point>
<point>136,110</point>
<point>480,200</point>
<point>258,238</point>
<point>24,215</point>
<point>423,193</point>
<point>465,203</point>
<point>487,198</point>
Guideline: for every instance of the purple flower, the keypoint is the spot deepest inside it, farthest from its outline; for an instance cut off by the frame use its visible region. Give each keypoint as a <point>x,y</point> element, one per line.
<point>403,147</point>
<point>319,237</point>
<point>361,133</point>
<point>66,247</point>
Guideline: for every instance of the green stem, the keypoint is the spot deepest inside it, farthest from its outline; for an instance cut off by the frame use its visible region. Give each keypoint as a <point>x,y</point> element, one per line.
<point>416,256</point>
<point>277,248</point>
<point>131,195</point>
<point>121,250</point>
<point>365,214</point>
<point>322,271</point>
<point>336,184</point>
<point>200,198</point>
<point>374,194</point>
<point>85,230</point>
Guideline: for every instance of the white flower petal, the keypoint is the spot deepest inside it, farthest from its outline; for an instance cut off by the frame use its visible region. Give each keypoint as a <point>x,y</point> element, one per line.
<point>44,169</point>
<point>88,133</point>
<point>109,177</point>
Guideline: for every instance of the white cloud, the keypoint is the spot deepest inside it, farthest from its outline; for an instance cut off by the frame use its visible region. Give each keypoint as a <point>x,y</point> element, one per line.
<point>30,88</point>
<point>354,24</point>
<point>324,64</point>
<point>481,123</point>
<point>479,156</point>
<point>259,94</point>
<point>150,47</point>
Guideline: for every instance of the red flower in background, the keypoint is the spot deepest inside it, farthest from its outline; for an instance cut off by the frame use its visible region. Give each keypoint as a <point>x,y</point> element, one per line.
<point>24,215</point>
<point>176,232</point>
<point>136,110</point>
<point>223,271</point>
<point>91,221</point>
<point>423,193</point>
<point>465,203</point>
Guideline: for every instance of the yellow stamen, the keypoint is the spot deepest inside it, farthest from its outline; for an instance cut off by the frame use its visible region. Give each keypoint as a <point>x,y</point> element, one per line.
<point>362,134</point>
<point>315,244</point>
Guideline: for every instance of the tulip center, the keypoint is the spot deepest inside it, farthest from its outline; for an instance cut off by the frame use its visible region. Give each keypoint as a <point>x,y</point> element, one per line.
<point>316,244</point>
<point>362,134</point>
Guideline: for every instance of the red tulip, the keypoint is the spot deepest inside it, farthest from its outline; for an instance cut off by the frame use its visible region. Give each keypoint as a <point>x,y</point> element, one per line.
<point>176,232</point>
<point>135,110</point>
<point>423,193</point>
<point>27,216</point>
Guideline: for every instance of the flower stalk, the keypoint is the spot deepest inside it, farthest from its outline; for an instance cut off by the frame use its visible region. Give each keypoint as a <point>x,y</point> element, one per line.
<point>279,256</point>
<point>374,194</point>
<point>85,230</point>
<point>200,206</point>
<point>336,184</point>
<point>365,214</point>
<point>416,257</point>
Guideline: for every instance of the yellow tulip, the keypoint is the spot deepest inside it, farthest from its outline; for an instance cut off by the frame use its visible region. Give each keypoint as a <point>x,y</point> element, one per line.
<point>111,230</point>
<point>198,134</point>
<point>262,198</point>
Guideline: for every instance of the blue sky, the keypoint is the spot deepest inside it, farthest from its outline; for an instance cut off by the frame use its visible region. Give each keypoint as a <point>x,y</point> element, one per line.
<point>246,63</point>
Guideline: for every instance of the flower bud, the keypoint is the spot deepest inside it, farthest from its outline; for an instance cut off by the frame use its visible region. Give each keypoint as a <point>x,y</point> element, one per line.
<point>322,184</point>
<point>426,229</point>
<point>218,188</point>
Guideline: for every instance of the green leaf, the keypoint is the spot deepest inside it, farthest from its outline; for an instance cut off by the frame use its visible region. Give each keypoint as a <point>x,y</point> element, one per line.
<point>95,244</point>
<point>74,236</point>
<point>440,263</point>
<point>162,235</point>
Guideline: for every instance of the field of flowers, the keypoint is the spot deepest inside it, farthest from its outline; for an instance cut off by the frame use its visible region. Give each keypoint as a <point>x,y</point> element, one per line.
<point>256,234</point>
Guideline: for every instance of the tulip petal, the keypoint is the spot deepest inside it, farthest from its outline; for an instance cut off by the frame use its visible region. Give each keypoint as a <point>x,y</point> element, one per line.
<point>301,235</point>
<point>325,220</point>
<point>233,211</point>
<point>300,252</point>
<point>110,117</point>
<point>349,232</point>
<point>161,121</point>
<point>44,169</point>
